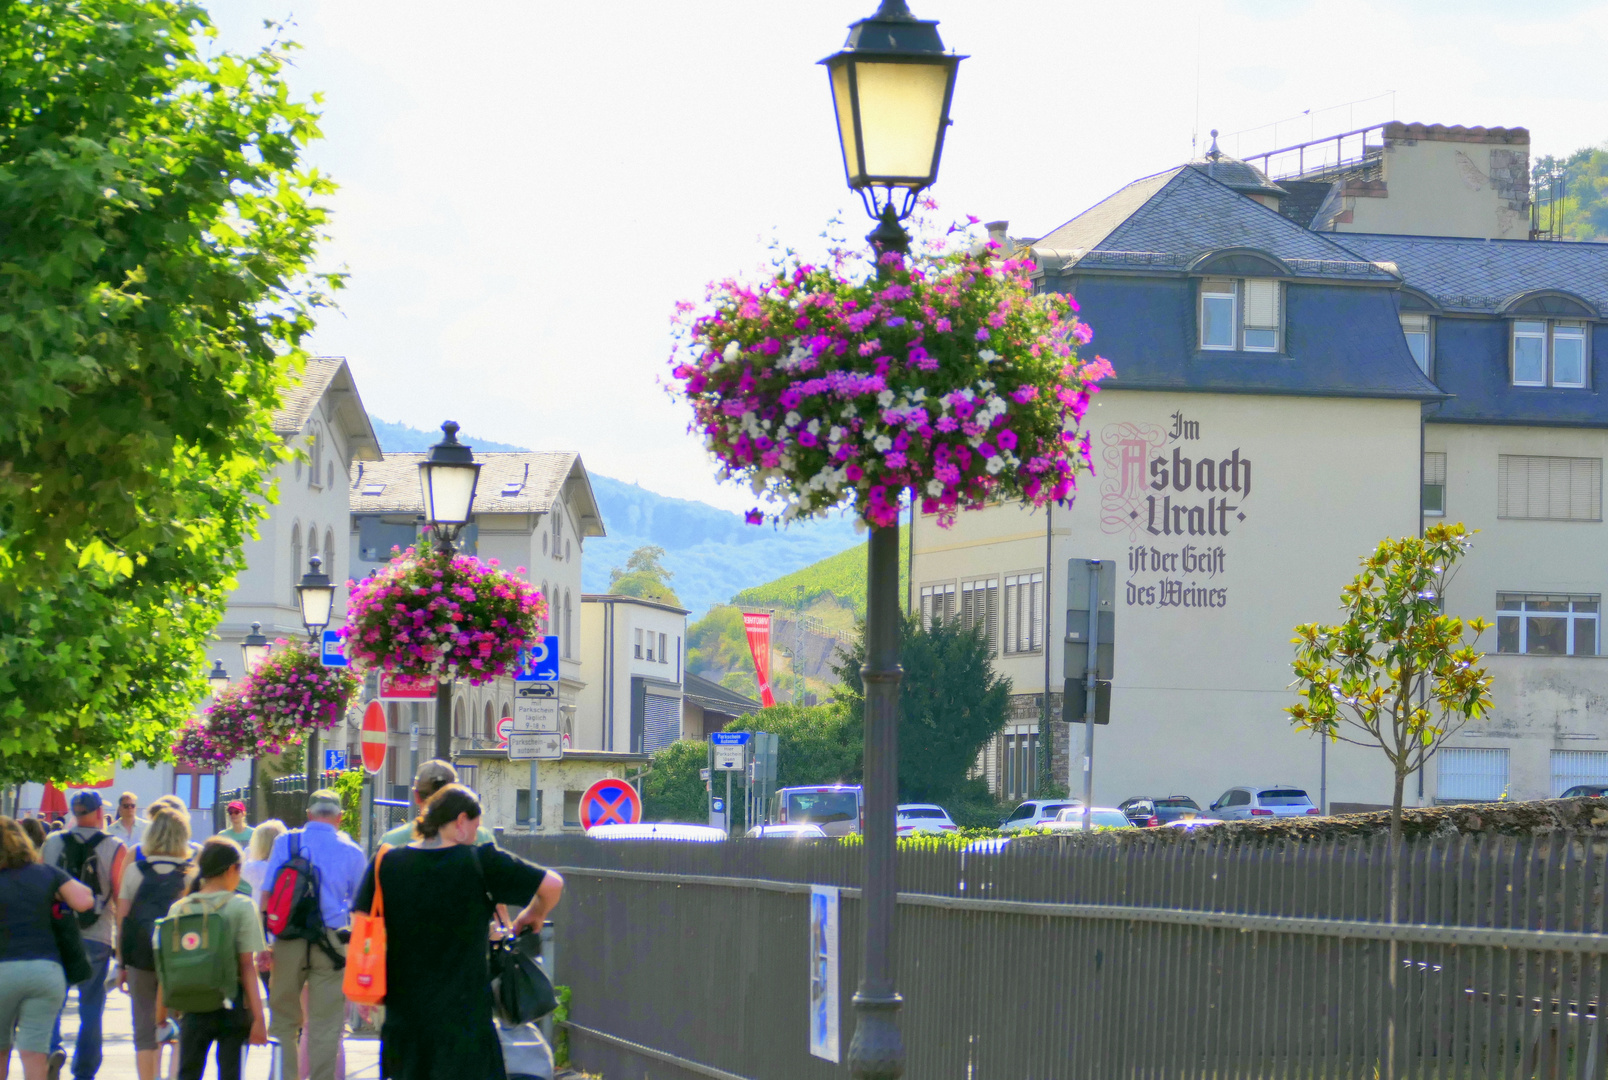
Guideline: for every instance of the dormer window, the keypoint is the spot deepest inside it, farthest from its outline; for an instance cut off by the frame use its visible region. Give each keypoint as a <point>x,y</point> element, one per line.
<point>1549,352</point>
<point>1415,328</point>
<point>1239,314</point>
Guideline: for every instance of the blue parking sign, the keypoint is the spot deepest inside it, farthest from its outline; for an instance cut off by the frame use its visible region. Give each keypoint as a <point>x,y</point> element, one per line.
<point>334,649</point>
<point>541,662</point>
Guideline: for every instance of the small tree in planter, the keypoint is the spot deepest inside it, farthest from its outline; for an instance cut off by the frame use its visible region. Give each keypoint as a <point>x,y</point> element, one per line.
<point>440,615</point>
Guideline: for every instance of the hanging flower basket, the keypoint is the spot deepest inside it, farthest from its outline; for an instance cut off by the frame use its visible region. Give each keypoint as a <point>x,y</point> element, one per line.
<point>946,376</point>
<point>292,693</point>
<point>226,732</point>
<point>441,616</point>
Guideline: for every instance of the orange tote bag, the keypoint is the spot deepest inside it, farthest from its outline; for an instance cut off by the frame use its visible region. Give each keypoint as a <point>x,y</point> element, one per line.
<point>364,981</point>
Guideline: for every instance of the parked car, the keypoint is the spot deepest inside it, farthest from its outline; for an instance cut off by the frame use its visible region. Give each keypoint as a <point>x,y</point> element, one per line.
<point>1035,814</point>
<point>924,818</point>
<point>658,830</point>
<point>801,831</point>
<point>1244,803</point>
<point>839,809</point>
<point>1149,811</point>
<point>1070,819</point>
<point>1193,823</point>
<point>1585,790</point>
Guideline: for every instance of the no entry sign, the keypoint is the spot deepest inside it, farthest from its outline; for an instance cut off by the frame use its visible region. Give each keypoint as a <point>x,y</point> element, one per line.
<point>610,802</point>
<point>374,737</point>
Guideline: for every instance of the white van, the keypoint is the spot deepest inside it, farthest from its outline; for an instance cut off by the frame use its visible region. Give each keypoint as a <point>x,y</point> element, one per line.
<point>839,809</point>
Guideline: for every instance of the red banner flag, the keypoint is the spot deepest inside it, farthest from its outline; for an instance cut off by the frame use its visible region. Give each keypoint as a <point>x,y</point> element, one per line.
<point>758,626</point>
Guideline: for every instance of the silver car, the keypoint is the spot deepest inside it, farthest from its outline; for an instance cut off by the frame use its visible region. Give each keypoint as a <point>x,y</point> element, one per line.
<point>1270,801</point>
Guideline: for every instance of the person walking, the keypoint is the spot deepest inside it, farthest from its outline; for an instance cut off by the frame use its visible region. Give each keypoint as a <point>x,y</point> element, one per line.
<point>96,859</point>
<point>35,831</point>
<point>32,986</point>
<point>152,882</point>
<point>439,893</point>
<point>127,826</point>
<point>238,830</point>
<point>311,955</point>
<point>256,866</point>
<point>432,776</point>
<point>241,1018</point>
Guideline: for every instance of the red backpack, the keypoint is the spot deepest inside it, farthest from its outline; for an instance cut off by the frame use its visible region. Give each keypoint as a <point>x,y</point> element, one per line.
<point>291,908</point>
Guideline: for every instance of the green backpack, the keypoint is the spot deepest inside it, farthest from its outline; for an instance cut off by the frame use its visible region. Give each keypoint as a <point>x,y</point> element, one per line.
<point>196,962</point>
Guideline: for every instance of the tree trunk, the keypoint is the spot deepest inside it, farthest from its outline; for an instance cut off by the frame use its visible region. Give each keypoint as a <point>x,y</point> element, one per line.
<point>1395,916</point>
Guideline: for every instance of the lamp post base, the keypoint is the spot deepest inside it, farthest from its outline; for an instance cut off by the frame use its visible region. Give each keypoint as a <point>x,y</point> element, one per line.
<point>877,1050</point>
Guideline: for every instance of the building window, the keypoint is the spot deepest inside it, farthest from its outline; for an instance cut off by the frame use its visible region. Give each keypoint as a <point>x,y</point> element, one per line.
<point>1018,766</point>
<point>315,451</point>
<point>1547,624</point>
<point>329,553</point>
<point>937,603</point>
<point>1548,488</point>
<point>1416,329</point>
<point>1549,353</point>
<point>664,655</point>
<point>1572,767</point>
<point>569,618</point>
<point>295,560</point>
<point>979,609</point>
<point>1239,314</point>
<point>1435,484</point>
<point>572,807</point>
<point>558,533</point>
<point>1024,613</point>
<point>489,724</point>
<point>650,645</point>
<point>638,650</point>
<point>1471,775</point>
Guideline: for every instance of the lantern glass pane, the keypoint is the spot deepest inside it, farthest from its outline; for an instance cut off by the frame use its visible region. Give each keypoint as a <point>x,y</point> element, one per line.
<point>252,655</point>
<point>316,602</point>
<point>448,491</point>
<point>845,119</point>
<point>901,118</point>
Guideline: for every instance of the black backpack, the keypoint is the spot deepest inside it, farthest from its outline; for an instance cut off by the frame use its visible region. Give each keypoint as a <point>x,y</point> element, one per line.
<point>78,859</point>
<point>157,893</point>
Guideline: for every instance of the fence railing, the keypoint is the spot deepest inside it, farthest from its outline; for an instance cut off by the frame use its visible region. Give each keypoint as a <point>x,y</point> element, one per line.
<point>1202,958</point>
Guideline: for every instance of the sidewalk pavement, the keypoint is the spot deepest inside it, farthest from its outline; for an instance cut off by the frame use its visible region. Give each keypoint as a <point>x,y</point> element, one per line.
<point>362,1053</point>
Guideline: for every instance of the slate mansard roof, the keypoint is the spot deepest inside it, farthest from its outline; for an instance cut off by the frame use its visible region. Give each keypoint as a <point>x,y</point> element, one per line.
<point>1486,276</point>
<point>510,483</point>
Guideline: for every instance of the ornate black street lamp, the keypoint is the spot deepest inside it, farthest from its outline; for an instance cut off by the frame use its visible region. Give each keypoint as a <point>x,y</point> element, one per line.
<point>891,86</point>
<point>217,678</point>
<point>447,479</point>
<point>254,649</point>
<point>316,598</point>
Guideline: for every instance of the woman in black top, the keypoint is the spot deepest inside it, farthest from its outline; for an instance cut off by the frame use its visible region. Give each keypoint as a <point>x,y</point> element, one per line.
<point>440,893</point>
<point>32,985</point>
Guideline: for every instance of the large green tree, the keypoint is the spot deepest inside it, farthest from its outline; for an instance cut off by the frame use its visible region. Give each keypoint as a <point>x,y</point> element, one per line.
<point>644,577</point>
<point>155,258</point>
<point>951,702</point>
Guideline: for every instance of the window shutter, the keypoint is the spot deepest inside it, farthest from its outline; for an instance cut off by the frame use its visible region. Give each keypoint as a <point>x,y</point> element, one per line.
<point>992,631</point>
<point>1262,304</point>
<point>1434,468</point>
<point>1037,590</point>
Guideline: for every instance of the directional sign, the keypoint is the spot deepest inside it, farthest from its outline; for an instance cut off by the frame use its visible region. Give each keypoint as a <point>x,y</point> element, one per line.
<point>730,738</point>
<point>374,737</point>
<point>504,727</point>
<point>334,760</point>
<point>729,759</point>
<point>398,688</point>
<point>610,802</point>
<point>536,714</point>
<point>541,662</point>
<point>535,746</point>
<point>334,649</point>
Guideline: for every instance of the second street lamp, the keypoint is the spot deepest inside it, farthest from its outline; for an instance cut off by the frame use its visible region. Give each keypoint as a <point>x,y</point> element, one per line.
<point>316,598</point>
<point>254,649</point>
<point>891,86</point>
<point>218,678</point>
<point>448,476</point>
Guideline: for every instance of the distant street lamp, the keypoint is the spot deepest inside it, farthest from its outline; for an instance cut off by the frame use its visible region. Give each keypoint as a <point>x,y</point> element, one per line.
<point>218,678</point>
<point>447,479</point>
<point>254,649</point>
<point>891,86</point>
<point>316,598</point>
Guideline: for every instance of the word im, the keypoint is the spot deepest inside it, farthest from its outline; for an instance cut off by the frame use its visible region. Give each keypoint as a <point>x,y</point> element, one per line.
<point>1184,429</point>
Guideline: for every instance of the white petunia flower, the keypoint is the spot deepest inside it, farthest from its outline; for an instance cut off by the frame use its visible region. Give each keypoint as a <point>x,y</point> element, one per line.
<point>792,419</point>
<point>813,427</point>
<point>920,395</point>
<point>995,466</point>
<point>935,488</point>
<point>885,398</point>
<point>733,351</point>
<point>882,443</point>
<point>988,356</point>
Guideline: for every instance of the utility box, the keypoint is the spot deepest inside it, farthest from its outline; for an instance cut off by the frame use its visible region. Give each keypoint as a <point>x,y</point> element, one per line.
<point>1091,585</point>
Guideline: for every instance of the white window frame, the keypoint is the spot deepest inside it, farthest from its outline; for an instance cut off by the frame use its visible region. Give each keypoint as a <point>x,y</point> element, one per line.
<point>1547,479</point>
<point>1457,784</point>
<point>1516,610</point>
<point>980,600</point>
<point>1421,327</point>
<point>1024,636</point>
<point>1550,330</point>
<point>1572,767</point>
<point>638,639</point>
<point>939,595</point>
<point>1236,291</point>
<point>664,648</point>
<point>1434,477</point>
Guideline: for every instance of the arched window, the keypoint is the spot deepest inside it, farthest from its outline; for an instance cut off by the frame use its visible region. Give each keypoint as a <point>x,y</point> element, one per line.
<point>392,716</point>
<point>295,559</point>
<point>558,533</point>
<point>458,718</point>
<point>329,554</point>
<point>490,727</point>
<point>312,546</point>
<point>547,623</point>
<point>315,452</point>
<point>329,474</point>
<point>569,616</point>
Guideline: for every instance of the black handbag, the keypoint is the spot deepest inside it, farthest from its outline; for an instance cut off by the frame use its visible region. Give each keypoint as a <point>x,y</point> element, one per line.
<point>521,991</point>
<point>70,943</point>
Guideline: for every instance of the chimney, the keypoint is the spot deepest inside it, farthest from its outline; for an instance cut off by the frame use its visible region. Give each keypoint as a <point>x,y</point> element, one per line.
<point>996,232</point>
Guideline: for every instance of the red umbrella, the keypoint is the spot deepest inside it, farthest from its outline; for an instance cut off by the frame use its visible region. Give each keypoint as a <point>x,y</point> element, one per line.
<point>54,802</point>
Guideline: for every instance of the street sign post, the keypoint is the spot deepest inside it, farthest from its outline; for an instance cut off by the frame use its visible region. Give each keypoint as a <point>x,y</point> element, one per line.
<point>729,751</point>
<point>374,737</point>
<point>541,662</point>
<point>398,688</point>
<point>535,746</point>
<point>334,653</point>
<point>609,802</point>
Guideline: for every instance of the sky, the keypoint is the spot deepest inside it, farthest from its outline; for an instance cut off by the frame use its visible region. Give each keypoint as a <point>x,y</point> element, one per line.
<point>528,187</point>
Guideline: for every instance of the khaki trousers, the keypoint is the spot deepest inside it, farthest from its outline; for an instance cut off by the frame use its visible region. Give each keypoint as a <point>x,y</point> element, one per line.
<point>298,963</point>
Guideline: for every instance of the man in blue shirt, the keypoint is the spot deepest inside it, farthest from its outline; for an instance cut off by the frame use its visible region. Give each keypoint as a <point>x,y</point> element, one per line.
<point>338,864</point>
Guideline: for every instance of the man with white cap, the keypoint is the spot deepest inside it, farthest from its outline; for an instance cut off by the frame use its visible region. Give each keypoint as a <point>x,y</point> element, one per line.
<point>310,951</point>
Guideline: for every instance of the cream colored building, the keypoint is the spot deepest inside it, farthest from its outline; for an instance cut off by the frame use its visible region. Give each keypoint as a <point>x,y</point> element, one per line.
<point>1286,395</point>
<point>635,653</point>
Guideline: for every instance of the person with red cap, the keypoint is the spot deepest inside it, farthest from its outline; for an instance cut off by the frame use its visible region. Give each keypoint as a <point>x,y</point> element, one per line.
<point>238,830</point>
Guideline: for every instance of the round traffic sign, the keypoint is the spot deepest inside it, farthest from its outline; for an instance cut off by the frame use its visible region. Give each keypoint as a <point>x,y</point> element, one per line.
<point>504,726</point>
<point>374,737</point>
<point>610,802</point>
